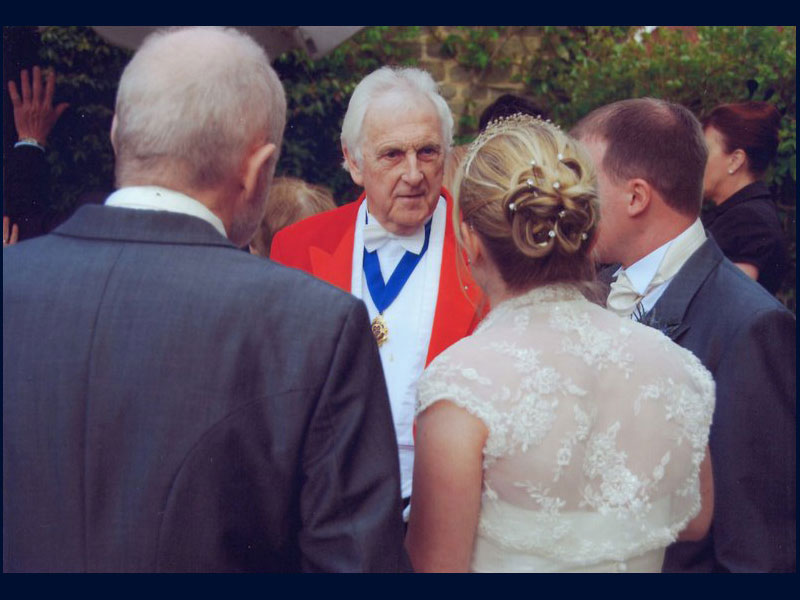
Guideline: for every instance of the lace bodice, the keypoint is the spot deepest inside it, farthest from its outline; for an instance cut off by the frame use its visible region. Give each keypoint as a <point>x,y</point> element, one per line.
<point>597,428</point>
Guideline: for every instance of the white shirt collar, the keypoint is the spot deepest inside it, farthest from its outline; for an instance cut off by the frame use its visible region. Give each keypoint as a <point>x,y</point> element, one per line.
<point>643,271</point>
<point>152,197</point>
<point>376,236</point>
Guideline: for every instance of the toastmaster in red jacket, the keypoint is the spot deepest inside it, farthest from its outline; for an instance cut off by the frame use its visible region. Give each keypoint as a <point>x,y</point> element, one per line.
<point>394,247</point>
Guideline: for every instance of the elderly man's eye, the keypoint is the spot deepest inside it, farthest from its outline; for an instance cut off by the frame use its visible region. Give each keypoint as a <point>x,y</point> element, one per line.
<point>429,151</point>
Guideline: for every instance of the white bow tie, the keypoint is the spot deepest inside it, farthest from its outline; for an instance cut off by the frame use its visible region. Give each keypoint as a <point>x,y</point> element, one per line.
<point>375,236</point>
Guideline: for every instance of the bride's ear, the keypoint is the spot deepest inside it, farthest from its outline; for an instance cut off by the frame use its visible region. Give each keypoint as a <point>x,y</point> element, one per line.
<point>472,242</point>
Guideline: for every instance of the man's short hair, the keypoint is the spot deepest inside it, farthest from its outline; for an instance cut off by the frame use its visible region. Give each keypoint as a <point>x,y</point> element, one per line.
<point>655,140</point>
<point>384,81</point>
<point>194,101</point>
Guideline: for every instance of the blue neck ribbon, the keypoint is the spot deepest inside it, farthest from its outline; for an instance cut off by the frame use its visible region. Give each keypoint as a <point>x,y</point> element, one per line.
<point>383,294</point>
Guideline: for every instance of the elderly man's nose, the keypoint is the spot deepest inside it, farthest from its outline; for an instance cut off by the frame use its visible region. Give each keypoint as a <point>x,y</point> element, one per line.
<point>412,174</point>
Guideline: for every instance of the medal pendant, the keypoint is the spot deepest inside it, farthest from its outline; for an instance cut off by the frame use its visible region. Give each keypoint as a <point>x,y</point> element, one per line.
<point>380,330</point>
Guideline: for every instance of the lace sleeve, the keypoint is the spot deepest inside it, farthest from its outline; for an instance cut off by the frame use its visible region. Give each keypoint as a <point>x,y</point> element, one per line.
<point>450,378</point>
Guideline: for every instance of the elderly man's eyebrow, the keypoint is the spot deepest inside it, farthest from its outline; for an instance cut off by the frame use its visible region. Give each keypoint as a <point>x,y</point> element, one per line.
<point>403,147</point>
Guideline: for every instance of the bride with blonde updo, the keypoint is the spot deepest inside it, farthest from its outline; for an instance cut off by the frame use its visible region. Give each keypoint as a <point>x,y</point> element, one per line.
<point>557,437</point>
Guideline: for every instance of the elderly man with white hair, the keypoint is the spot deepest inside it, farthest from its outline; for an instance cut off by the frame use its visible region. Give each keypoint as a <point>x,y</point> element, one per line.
<point>171,403</point>
<point>394,247</point>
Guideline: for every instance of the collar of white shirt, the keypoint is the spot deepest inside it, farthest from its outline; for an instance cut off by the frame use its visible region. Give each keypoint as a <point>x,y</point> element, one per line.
<point>152,197</point>
<point>376,236</point>
<point>643,271</point>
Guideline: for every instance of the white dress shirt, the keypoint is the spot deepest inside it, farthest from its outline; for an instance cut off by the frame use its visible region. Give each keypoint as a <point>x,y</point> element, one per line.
<point>666,260</point>
<point>410,322</point>
<point>153,197</point>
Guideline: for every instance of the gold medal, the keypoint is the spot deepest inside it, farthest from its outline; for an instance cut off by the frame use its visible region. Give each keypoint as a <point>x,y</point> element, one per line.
<point>380,330</point>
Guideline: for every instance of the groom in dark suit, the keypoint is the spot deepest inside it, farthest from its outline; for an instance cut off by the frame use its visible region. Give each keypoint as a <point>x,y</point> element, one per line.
<point>171,403</point>
<point>650,157</point>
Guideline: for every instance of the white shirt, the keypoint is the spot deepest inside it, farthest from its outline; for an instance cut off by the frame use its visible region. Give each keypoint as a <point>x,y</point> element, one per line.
<point>153,197</point>
<point>410,322</point>
<point>643,271</point>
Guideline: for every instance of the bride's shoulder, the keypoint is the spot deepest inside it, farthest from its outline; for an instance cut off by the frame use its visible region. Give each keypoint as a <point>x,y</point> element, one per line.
<point>467,351</point>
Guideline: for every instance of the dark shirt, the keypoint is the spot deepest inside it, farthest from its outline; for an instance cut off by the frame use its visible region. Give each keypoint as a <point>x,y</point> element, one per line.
<point>26,190</point>
<point>747,229</point>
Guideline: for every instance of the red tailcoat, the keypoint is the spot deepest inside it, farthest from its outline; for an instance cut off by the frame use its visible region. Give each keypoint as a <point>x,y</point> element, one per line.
<point>322,245</point>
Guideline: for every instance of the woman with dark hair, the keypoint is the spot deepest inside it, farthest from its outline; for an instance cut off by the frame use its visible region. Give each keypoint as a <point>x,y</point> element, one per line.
<point>742,140</point>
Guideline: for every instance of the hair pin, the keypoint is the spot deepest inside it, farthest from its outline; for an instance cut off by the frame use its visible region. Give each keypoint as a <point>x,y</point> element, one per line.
<point>556,185</point>
<point>551,233</point>
<point>512,206</point>
<point>584,236</point>
<point>560,157</point>
<point>530,183</point>
<point>533,162</point>
<point>562,214</point>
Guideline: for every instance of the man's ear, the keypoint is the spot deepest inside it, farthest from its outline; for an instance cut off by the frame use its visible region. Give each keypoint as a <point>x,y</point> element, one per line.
<point>113,134</point>
<point>352,165</point>
<point>640,193</point>
<point>254,164</point>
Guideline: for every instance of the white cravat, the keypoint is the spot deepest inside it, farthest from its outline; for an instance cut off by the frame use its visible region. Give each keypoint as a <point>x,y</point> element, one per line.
<point>375,236</point>
<point>638,288</point>
<point>623,298</point>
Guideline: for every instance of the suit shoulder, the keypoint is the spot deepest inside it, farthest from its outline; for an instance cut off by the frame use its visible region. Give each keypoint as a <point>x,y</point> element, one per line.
<point>243,279</point>
<point>742,291</point>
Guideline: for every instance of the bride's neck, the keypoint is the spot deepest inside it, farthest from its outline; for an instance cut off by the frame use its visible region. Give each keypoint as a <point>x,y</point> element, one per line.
<point>495,288</point>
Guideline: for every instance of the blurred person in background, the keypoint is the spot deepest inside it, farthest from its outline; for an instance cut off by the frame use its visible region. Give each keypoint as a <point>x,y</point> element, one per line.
<point>290,200</point>
<point>742,141</point>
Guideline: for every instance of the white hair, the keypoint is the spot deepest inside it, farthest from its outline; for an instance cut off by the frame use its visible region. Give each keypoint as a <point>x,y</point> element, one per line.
<point>192,102</point>
<point>384,81</point>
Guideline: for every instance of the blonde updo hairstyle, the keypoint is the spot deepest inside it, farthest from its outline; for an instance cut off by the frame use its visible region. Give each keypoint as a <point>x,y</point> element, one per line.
<point>528,190</point>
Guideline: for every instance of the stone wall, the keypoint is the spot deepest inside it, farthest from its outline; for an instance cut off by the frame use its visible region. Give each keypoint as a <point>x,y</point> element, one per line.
<point>468,91</point>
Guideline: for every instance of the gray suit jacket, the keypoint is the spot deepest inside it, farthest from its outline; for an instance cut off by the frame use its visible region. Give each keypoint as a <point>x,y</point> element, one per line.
<point>747,339</point>
<point>171,403</point>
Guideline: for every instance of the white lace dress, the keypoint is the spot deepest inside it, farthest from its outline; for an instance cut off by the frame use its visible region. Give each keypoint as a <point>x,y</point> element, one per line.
<point>597,428</point>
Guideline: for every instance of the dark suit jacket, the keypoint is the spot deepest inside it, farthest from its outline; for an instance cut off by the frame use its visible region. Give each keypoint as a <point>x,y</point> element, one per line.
<point>747,339</point>
<point>171,403</point>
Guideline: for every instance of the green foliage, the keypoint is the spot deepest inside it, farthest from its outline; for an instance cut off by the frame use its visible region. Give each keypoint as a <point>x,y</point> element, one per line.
<point>473,47</point>
<point>318,93</point>
<point>79,150</point>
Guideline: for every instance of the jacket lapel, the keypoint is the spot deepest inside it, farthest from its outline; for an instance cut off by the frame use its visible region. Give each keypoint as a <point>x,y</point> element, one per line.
<point>332,259</point>
<point>669,312</point>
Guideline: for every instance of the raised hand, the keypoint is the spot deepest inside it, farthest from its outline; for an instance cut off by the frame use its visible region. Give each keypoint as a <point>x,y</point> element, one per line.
<point>34,114</point>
